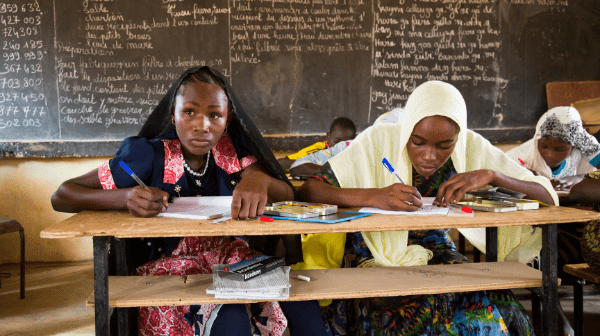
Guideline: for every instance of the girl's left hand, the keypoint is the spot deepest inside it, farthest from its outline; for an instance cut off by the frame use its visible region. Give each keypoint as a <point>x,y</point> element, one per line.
<point>457,185</point>
<point>250,196</point>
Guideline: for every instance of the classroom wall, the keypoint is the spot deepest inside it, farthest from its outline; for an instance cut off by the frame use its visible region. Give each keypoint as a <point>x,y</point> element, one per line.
<point>26,186</point>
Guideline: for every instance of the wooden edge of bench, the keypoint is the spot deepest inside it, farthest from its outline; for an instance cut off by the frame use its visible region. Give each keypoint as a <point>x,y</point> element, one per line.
<point>583,271</point>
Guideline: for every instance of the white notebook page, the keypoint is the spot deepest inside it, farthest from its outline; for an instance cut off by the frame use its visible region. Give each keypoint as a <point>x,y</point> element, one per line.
<point>199,207</point>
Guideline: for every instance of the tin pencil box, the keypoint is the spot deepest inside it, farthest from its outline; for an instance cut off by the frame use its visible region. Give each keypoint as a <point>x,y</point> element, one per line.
<point>300,209</point>
<point>490,206</point>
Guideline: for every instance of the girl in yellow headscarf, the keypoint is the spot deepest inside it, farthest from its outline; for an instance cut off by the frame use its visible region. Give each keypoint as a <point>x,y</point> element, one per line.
<point>435,155</point>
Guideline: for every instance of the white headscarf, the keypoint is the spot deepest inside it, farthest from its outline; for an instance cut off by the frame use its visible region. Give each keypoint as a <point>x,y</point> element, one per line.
<point>562,122</point>
<point>359,166</point>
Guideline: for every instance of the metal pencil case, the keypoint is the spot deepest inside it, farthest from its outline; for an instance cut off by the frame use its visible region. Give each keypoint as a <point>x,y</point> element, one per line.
<point>299,209</point>
<point>521,204</point>
<point>490,206</point>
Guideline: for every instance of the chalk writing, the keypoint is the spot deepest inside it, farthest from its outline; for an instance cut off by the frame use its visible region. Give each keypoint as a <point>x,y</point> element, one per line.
<point>424,40</point>
<point>327,27</point>
<point>99,70</point>
<point>22,101</point>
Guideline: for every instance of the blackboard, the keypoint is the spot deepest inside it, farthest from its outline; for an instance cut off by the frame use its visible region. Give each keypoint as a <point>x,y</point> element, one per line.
<point>78,76</point>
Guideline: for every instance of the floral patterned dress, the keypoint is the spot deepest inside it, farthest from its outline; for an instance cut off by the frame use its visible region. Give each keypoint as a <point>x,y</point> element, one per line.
<point>470,313</point>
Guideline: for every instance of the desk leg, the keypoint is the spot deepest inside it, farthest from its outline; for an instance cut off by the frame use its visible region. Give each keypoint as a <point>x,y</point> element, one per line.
<point>536,311</point>
<point>578,306</point>
<point>101,285</point>
<point>126,317</point>
<point>22,289</point>
<point>491,244</point>
<point>549,280</point>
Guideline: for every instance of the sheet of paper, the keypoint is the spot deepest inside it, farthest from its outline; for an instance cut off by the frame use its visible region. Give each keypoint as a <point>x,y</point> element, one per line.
<point>428,209</point>
<point>209,207</point>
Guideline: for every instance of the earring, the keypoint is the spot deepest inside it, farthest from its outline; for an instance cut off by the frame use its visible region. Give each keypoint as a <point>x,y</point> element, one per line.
<point>173,120</point>
<point>225,133</point>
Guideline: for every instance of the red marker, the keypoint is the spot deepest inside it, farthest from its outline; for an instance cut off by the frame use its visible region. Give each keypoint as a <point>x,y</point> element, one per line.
<point>521,161</point>
<point>266,219</point>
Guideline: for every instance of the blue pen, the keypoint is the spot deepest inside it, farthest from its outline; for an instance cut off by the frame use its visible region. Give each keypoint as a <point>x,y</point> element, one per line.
<point>138,180</point>
<point>389,167</point>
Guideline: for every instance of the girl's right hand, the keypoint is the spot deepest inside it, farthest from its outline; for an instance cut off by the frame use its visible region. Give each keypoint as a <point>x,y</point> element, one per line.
<point>146,202</point>
<point>398,196</point>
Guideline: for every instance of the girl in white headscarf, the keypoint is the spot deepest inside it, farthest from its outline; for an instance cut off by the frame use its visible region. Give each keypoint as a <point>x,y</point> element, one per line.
<point>561,149</point>
<point>435,154</point>
<point>564,152</point>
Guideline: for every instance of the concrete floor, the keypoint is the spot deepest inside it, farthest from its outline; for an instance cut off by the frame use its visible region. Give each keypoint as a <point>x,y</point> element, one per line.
<point>54,301</point>
<point>55,296</point>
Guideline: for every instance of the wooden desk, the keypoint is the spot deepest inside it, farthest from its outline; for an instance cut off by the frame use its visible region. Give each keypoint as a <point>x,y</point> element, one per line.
<point>104,225</point>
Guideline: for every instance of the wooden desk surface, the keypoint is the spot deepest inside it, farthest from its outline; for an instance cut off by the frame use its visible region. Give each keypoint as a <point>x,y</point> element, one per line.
<point>121,224</point>
<point>136,291</point>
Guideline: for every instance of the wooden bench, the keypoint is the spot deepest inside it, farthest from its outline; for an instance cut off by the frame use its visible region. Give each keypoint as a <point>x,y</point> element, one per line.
<point>340,283</point>
<point>582,271</point>
<point>336,283</point>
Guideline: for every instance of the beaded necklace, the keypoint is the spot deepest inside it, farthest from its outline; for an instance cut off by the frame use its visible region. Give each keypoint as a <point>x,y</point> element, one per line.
<point>195,173</point>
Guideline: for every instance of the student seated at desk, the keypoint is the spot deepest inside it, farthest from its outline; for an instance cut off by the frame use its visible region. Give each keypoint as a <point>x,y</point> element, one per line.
<point>197,142</point>
<point>435,154</point>
<point>311,164</point>
<point>585,195</point>
<point>563,151</point>
<point>341,129</point>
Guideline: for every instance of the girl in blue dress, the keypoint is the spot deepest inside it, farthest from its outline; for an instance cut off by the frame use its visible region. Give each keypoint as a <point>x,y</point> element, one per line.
<point>197,142</point>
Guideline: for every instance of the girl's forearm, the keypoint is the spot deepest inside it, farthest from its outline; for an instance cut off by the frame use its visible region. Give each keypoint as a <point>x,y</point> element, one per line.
<point>532,190</point>
<point>278,190</point>
<point>586,191</point>
<point>72,197</point>
<point>316,191</point>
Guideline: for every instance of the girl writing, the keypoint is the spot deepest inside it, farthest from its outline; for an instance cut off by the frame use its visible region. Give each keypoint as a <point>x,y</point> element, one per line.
<point>197,142</point>
<point>435,154</point>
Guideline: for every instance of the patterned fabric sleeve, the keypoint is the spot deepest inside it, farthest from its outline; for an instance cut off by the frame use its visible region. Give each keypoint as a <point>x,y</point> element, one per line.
<point>328,176</point>
<point>105,176</point>
<point>594,175</point>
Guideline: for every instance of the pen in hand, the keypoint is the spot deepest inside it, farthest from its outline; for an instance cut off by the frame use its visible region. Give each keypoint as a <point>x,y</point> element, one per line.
<point>389,167</point>
<point>139,181</point>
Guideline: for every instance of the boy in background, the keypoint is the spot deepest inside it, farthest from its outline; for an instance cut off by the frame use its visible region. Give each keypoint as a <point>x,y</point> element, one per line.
<point>311,163</point>
<point>341,129</point>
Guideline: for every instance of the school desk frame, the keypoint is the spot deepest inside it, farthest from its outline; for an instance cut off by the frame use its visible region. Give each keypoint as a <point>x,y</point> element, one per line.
<point>103,226</point>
